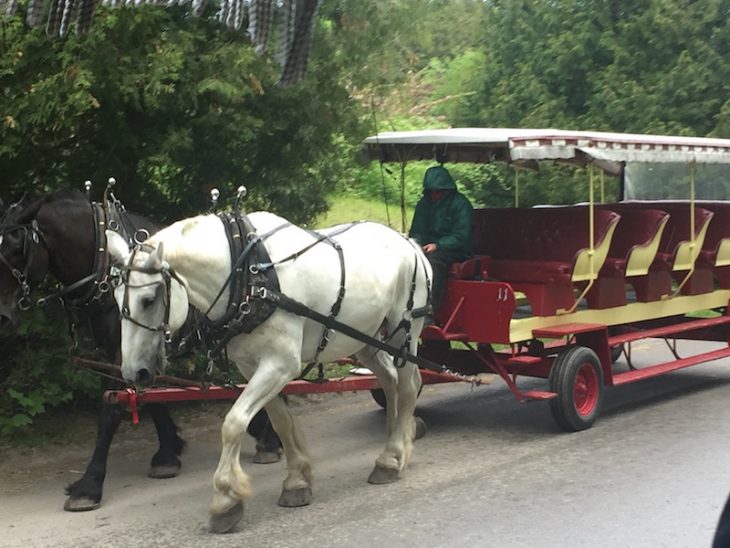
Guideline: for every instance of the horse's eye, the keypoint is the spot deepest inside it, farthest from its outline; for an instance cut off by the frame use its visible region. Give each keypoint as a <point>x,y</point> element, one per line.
<point>147,302</point>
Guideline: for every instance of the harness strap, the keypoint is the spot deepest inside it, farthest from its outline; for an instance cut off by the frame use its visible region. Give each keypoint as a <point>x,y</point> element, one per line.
<point>295,307</point>
<point>335,310</point>
<point>243,315</point>
<point>65,290</point>
<point>410,312</point>
<point>99,216</point>
<point>320,237</point>
<point>104,216</point>
<point>238,261</point>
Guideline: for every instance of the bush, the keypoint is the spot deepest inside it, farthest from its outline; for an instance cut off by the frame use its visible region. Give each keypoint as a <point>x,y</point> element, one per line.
<point>35,375</point>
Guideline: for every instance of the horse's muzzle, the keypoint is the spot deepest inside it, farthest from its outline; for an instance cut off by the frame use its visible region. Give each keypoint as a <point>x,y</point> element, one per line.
<point>144,378</point>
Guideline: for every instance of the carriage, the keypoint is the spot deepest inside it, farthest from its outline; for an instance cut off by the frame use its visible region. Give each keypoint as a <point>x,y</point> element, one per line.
<point>560,292</point>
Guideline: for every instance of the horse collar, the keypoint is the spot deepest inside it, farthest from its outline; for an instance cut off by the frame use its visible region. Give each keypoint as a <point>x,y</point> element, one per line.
<point>250,274</point>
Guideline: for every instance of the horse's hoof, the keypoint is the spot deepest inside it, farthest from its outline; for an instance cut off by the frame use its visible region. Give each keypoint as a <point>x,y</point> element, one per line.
<point>222,523</point>
<point>380,475</point>
<point>293,498</point>
<point>266,457</point>
<point>420,428</point>
<point>163,471</point>
<point>81,504</point>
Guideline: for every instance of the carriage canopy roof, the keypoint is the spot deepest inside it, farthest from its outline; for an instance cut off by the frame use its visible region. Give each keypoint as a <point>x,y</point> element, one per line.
<point>528,146</point>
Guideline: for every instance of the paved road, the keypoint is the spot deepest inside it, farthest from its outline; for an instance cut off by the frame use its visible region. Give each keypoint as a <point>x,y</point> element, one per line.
<point>654,471</point>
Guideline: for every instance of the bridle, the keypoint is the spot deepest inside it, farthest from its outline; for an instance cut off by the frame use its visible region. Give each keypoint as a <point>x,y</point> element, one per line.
<point>32,236</point>
<point>167,273</point>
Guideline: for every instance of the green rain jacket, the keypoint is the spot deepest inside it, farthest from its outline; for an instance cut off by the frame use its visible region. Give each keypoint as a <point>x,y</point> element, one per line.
<point>448,222</point>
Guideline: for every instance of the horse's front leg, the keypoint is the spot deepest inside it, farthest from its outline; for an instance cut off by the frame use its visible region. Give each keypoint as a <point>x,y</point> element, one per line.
<point>85,493</point>
<point>232,486</point>
<point>165,463</point>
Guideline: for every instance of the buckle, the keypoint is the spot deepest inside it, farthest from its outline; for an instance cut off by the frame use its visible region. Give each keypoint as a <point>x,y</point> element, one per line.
<point>259,292</point>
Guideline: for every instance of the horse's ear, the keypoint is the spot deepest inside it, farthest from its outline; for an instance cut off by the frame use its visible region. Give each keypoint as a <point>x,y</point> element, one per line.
<point>118,247</point>
<point>154,261</point>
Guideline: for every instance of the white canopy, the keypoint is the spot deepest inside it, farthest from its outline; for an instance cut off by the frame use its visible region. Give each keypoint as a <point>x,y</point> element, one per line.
<point>527,146</point>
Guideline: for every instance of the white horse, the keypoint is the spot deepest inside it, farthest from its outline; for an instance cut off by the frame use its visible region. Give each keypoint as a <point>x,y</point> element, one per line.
<point>190,261</point>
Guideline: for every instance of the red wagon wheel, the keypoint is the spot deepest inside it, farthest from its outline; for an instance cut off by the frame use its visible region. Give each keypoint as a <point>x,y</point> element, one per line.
<point>577,378</point>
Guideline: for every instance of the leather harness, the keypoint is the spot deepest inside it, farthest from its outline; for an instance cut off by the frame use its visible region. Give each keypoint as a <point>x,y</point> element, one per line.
<point>255,294</point>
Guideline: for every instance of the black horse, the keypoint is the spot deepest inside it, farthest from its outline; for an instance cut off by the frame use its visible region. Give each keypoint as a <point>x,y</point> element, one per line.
<point>61,233</point>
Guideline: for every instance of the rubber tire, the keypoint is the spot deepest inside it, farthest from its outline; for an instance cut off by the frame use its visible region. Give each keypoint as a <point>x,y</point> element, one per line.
<point>378,395</point>
<point>616,352</point>
<point>577,378</point>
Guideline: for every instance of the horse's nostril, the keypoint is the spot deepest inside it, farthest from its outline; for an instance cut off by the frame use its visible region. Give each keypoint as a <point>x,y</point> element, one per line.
<point>144,377</point>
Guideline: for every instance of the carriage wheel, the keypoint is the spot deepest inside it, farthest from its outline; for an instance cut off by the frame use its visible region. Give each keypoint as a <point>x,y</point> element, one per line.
<point>616,352</point>
<point>378,395</point>
<point>577,378</point>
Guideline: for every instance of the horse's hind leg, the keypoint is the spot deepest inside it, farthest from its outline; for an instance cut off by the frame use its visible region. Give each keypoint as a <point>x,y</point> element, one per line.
<point>268,444</point>
<point>378,363</point>
<point>401,402</point>
<point>165,463</point>
<point>85,493</point>
<point>297,487</point>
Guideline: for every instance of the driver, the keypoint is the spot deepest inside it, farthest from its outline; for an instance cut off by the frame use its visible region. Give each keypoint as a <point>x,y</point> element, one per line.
<point>442,225</point>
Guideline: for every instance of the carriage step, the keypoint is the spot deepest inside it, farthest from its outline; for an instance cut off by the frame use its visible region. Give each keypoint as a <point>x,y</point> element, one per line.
<point>524,359</point>
<point>669,330</point>
<point>654,370</point>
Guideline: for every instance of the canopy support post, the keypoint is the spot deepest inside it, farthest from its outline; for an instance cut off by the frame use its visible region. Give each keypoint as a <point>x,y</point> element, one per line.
<point>692,243</point>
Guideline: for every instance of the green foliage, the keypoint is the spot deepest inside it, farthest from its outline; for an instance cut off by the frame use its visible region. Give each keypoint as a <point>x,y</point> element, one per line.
<point>35,374</point>
<point>171,106</point>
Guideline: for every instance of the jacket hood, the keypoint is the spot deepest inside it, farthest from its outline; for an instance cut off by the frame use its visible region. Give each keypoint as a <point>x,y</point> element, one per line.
<point>438,178</point>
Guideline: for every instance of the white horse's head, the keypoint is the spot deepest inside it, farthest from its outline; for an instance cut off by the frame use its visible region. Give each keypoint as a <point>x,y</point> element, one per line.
<point>153,303</point>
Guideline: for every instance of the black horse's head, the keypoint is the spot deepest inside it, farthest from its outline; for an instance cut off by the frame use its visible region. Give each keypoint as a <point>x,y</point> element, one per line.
<point>23,259</point>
